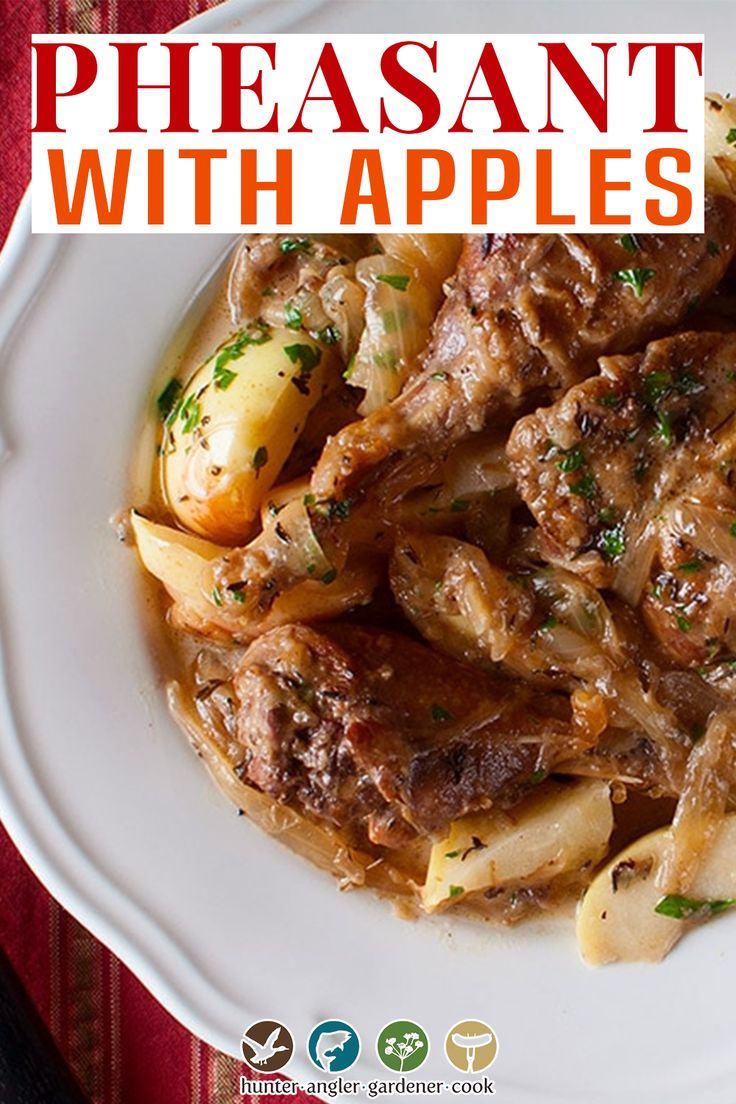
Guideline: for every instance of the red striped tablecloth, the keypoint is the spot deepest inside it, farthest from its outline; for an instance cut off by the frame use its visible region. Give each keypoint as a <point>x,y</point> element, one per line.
<point>123,1047</point>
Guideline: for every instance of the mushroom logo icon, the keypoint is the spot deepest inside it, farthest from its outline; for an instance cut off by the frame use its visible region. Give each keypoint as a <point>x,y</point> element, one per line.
<point>471,1046</point>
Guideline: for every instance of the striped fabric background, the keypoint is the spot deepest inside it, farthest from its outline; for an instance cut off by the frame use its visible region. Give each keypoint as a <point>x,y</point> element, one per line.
<point>123,1047</point>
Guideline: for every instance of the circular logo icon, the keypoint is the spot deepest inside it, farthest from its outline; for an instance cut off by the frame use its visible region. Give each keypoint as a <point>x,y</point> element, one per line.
<point>267,1046</point>
<point>333,1046</point>
<point>471,1046</point>
<point>402,1046</point>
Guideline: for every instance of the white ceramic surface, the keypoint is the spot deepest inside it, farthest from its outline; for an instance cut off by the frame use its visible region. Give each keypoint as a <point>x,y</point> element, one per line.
<point>105,799</point>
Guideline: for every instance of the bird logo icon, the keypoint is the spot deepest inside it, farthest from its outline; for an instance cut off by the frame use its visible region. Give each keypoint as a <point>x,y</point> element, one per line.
<point>267,1046</point>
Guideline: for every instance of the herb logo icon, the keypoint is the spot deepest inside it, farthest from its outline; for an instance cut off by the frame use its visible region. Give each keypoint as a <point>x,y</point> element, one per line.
<point>402,1046</point>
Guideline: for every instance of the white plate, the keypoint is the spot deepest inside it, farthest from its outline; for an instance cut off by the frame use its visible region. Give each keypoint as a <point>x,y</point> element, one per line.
<point>105,799</point>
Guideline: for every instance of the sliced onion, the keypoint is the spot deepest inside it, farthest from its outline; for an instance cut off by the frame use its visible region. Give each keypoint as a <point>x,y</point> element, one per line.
<point>634,567</point>
<point>650,716</point>
<point>705,527</point>
<point>701,807</point>
<point>433,255</point>
<point>399,311</point>
<point>342,299</point>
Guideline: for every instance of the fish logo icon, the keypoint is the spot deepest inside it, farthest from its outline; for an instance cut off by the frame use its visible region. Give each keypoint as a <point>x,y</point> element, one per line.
<point>333,1046</point>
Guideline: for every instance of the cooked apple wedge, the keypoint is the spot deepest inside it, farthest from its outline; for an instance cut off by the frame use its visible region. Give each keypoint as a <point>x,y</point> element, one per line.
<point>176,558</point>
<point>617,921</point>
<point>720,149</point>
<point>553,832</point>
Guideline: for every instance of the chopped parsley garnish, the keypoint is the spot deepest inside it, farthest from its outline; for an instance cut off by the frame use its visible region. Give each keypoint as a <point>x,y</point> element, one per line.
<point>190,414</point>
<point>455,891</point>
<point>682,622</point>
<point>350,368</point>
<point>292,316</point>
<point>329,576</point>
<point>340,508</point>
<point>216,596</point>
<point>307,357</point>
<point>732,528</point>
<point>573,459</point>
<point>260,458</point>
<point>612,542</point>
<point>257,334</point>
<point>452,854</point>
<point>223,377</point>
<point>688,384</point>
<point>713,248</point>
<point>682,908</point>
<point>629,242</point>
<point>440,714</point>
<point>167,399</point>
<point>537,776</point>
<point>330,507</point>
<point>296,245</point>
<point>731,137</point>
<point>610,399</point>
<point>399,283</point>
<point>330,335</point>
<point>691,566</point>
<point>584,487</point>
<point>656,385</point>
<point>550,623</point>
<point>459,505</point>
<point>663,428</point>
<point>635,278</point>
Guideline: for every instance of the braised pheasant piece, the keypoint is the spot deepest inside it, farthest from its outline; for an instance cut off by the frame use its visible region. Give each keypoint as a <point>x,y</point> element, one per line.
<point>630,475</point>
<point>546,626</point>
<point>364,727</point>
<point>525,317</point>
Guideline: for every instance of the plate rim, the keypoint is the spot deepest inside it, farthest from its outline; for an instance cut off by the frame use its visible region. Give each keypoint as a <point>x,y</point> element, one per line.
<point>150,951</point>
<point>64,868</point>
